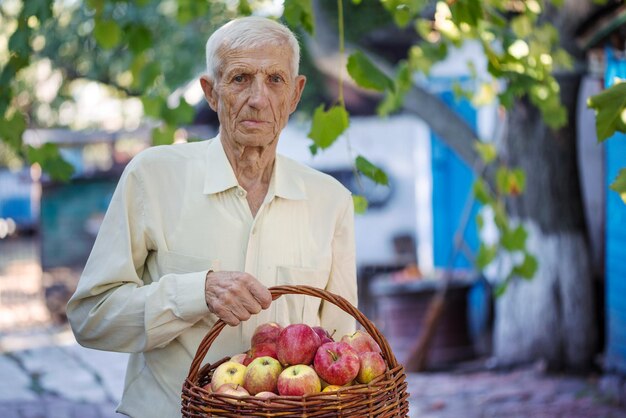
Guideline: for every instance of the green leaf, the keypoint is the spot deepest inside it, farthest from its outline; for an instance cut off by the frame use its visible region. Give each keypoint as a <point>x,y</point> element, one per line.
<point>163,135</point>
<point>610,106</point>
<point>371,170</point>
<point>468,11</point>
<point>522,26</point>
<point>515,239</point>
<point>152,106</point>
<point>97,5</point>
<point>510,182</point>
<point>403,11</point>
<point>527,269</point>
<point>327,126</point>
<point>499,215</point>
<point>180,115</point>
<point>107,33</point>
<point>422,57</point>
<point>486,254</point>
<point>366,74</point>
<point>394,98</point>
<point>487,151</point>
<point>19,42</point>
<point>50,160</point>
<point>300,13</point>
<point>139,38</point>
<point>243,8</point>
<point>481,192</point>
<point>619,184</point>
<point>12,128</point>
<point>149,74</point>
<point>360,204</point>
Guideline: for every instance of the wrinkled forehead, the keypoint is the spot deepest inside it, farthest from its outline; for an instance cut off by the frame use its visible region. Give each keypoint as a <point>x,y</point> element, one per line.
<point>265,54</point>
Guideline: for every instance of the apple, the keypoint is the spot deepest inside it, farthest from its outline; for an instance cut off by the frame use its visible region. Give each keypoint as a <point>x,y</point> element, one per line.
<point>265,333</point>
<point>262,375</point>
<point>260,350</point>
<point>298,380</point>
<point>266,395</point>
<point>228,372</point>
<point>372,365</point>
<point>297,344</point>
<point>325,336</point>
<point>331,388</point>
<point>208,388</point>
<point>232,389</point>
<point>239,358</point>
<point>337,363</point>
<point>361,342</point>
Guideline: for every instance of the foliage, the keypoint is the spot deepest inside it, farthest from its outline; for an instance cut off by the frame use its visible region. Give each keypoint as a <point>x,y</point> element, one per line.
<point>128,46</point>
<point>610,107</point>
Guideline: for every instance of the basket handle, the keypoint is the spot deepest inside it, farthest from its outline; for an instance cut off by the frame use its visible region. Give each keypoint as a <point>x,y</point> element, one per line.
<point>278,291</point>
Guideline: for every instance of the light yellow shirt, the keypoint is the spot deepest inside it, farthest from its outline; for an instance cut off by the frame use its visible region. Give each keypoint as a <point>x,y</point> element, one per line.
<point>178,212</point>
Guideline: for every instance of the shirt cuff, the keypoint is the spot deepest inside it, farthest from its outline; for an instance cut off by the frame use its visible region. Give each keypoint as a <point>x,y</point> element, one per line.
<point>190,299</point>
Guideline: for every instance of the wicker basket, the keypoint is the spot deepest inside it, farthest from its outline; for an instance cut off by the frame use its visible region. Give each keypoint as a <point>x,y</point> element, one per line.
<point>384,397</point>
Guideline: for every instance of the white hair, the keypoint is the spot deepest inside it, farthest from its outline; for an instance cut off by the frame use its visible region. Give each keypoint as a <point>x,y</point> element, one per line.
<point>249,33</point>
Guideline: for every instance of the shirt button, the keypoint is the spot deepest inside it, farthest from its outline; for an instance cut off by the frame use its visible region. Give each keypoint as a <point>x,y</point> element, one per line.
<point>240,192</point>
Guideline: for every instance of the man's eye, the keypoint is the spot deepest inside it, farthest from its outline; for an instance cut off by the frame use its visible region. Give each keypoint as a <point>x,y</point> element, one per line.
<point>276,78</point>
<point>239,78</point>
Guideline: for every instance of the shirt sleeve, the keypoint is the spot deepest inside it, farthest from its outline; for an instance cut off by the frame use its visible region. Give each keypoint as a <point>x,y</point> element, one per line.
<point>342,279</point>
<point>113,308</point>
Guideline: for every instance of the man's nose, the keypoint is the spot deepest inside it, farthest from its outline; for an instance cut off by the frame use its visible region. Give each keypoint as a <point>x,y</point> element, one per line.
<point>258,94</point>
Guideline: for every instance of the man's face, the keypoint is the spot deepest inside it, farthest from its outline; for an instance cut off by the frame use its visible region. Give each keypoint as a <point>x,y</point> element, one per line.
<point>254,94</point>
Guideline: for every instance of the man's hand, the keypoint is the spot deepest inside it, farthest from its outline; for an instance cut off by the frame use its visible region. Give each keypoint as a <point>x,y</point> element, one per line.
<point>233,296</point>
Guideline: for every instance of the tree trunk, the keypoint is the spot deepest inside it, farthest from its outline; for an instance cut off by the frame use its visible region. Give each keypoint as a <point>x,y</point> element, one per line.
<point>551,317</point>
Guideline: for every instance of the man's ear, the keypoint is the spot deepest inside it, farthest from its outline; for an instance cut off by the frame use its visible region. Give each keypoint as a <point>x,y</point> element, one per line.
<point>208,87</point>
<point>297,92</point>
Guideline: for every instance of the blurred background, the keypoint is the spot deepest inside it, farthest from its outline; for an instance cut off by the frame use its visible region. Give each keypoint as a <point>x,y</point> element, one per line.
<point>499,272</point>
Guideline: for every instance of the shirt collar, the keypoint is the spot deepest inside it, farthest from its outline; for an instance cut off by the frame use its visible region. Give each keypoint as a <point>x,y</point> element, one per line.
<point>287,183</point>
<point>219,176</point>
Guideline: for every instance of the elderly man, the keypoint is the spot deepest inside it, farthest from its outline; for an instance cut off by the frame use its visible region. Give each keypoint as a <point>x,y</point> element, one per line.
<point>199,231</point>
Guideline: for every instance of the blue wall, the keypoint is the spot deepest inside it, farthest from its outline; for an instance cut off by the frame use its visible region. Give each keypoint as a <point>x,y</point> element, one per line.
<point>452,184</point>
<point>615,241</point>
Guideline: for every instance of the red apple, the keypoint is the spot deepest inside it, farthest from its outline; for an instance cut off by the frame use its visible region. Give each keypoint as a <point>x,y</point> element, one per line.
<point>232,389</point>
<point>298,380</point>
<point>337,363</point>
<point>266,395</point>
<point>297,344</point>
<point>265,333</point>
<point>262,375</point>
<point>260,350</point>
<point>361,342</point>
<point>239,358</point>
<point>325,336</point>
<point>372,365</point>
<point>228,372</point>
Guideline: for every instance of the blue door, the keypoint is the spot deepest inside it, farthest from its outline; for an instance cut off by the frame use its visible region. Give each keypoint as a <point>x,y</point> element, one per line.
<point>615,239</point>
<point>452,184</point>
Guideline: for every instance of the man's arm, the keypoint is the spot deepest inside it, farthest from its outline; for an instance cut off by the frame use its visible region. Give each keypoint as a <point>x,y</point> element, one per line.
<point>342,279</point>
<point>113,309</point>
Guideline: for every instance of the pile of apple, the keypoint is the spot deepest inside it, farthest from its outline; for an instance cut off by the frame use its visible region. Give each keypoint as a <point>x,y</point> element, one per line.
<point>298,360</point>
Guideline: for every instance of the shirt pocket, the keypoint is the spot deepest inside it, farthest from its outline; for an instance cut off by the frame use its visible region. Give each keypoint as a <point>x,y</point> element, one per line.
<point>172,262</point>
<point>294,309</point>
